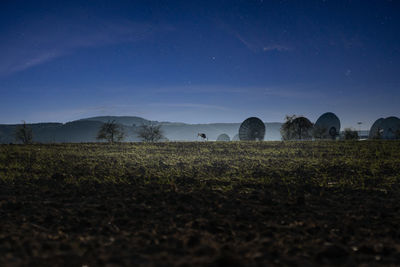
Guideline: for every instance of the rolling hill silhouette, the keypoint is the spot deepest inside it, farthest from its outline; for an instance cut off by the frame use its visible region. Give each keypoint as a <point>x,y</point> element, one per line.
<point>85,130</point>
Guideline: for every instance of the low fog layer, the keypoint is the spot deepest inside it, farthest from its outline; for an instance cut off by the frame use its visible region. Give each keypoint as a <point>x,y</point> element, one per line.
<point>85,130</point>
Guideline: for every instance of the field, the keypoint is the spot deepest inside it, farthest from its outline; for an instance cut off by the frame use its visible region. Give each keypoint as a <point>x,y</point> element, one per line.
<point>200,203</point>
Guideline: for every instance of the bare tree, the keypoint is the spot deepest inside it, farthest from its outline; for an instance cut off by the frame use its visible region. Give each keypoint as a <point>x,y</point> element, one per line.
<point>286,131</point>
<point>150,132</point>
<point>111,131</point>
<point>23,134</point>
<point>350,134</point>
<point>296,128</point>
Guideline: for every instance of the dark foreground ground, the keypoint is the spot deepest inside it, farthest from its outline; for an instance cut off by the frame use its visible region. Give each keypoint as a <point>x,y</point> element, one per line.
<point>190,221</point>
<point>154,225</point>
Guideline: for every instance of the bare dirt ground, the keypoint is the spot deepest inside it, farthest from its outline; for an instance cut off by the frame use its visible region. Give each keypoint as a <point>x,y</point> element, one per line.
<point>49,224</point>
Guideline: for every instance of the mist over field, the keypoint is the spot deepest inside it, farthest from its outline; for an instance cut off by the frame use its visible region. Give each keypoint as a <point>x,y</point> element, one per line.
<point>85,130</point>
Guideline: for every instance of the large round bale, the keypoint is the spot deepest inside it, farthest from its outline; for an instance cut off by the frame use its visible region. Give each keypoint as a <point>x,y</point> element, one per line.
<point>376,129</point>
<point>391,128</point>
<point>252,129</point>
<point>224,138</point>
<point>328,124</point>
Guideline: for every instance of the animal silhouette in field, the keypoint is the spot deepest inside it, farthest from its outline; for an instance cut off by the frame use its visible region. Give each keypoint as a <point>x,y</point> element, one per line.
<point>203,136</point>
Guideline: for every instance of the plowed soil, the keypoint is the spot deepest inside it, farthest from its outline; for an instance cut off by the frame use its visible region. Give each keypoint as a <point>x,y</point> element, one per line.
<point>193,221</point>
<point>100,224</point>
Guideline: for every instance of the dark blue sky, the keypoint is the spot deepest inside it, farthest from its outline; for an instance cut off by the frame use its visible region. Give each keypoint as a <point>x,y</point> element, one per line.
<point>199,61</point>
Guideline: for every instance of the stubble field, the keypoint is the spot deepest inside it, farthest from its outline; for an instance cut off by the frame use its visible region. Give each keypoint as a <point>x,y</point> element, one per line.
<point>200,203</point>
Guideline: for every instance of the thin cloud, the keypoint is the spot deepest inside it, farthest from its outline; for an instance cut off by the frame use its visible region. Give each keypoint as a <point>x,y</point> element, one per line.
<point>300,92</point>
<point>190,105</point>
<point>255,43</point>
<point>295,91</point>
<point>249,45</point>
<point>48,39</point>
<point>190,89</point>
<point>35,60</point>
<point>67,114</point>
<point>147,110</point>
<point>278,48</point>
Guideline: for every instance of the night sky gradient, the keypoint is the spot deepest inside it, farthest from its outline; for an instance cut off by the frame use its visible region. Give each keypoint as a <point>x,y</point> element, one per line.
<point>199,61</point>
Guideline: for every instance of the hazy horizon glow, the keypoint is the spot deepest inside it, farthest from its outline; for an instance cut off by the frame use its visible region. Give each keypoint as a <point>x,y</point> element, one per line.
<point>216,61</point>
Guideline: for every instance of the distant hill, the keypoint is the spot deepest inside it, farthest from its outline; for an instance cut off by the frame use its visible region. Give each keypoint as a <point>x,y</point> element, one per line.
<point>124,120</point>
<point>85,130</point>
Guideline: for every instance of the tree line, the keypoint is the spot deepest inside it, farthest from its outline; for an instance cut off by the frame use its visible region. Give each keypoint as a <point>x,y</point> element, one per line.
<point>110,131</point>
<point>113,132</point>
<point>301,128</point>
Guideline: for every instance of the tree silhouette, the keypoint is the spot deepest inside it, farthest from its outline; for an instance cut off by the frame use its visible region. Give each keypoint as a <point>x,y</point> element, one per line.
<point>111,131</point>
<point>23,134</point>
<point>350,134</point>
<point>296,128</point>
<point>319,132</point>
<point>150,132</point>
